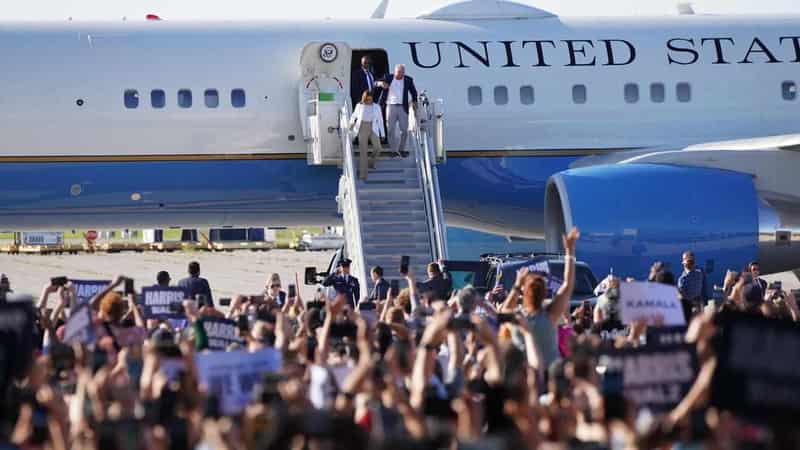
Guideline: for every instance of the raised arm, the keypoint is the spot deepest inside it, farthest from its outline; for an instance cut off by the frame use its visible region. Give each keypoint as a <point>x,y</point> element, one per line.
<point>95,301</point>
<point>512,300</point>
<point>561,301</point>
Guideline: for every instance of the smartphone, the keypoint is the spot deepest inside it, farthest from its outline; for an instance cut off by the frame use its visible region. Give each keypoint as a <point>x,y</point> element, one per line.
<point>292,292</point>
<point>99,359</point>
<point>405,261</point>
<point>394,288</point>
<point>129,286</point>
<point>242,323</point>
<point>225,301</point>
<point>505,318</point>
<point>343,329</point>
<point>776,285</point>
<point>460,323</point>
<point>201,300</point>
<point>58,281</point>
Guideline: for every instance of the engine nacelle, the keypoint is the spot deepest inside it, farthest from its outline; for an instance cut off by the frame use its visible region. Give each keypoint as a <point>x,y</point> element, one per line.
<point>631,215</point>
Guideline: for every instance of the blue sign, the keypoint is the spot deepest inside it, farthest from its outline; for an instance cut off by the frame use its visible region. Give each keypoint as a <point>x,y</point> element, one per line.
<point>158,301</point>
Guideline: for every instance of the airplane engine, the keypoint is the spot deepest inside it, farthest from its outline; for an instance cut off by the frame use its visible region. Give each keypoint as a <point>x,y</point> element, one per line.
<point>631,215</point>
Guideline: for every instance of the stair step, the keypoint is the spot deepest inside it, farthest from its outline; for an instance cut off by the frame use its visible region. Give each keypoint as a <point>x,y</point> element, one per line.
<point>390,237</point>
<point>391,205</point>
<point>387,185</point>
<point>406,226</point>
<point>399,248</point>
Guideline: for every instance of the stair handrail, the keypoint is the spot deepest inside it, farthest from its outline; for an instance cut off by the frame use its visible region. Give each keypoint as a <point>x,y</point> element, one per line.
<point>418,127</point>
<point>350,209</point>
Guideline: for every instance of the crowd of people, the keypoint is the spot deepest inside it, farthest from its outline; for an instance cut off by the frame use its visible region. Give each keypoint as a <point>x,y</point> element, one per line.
<point>422,367</point>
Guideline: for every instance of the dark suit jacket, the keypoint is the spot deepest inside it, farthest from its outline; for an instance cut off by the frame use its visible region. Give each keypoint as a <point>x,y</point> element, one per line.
<point>359,84</point>
<point>379,291</point>
<point>196,285</point>
<point>440,286</point>
<point>349,286</point>
<point>409,90</point>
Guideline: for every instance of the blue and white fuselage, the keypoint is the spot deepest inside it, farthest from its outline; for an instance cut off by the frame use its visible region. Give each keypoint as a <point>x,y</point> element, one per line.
<point>524,100</point>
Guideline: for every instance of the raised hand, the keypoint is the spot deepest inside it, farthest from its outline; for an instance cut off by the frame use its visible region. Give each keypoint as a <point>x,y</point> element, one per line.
<point>570,239</point>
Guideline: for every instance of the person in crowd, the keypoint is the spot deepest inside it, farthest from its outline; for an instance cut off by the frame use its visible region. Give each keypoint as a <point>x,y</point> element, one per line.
<point>363,79</point>
<point>345,283</point>
<point>163,279</point>
<point>543,318</point>
<point>438,284</point>
<point>755,271</point>
<point>196,285</point>
<point>398,95</point>
<point>692,284</point>
<point>273,292</point>
<point>367,122</point>
<point>380,288</point>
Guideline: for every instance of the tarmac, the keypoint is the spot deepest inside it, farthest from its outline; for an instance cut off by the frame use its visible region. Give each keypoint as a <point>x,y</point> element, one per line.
<point>228,273</point>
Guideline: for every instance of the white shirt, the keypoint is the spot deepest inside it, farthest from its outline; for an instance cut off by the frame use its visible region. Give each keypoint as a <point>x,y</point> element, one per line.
<point>396,90</point>
<point>366,114</point>
<point>369,77</point>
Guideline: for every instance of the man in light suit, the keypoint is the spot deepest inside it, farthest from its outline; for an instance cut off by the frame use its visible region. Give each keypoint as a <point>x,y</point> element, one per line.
<point>398,94</point>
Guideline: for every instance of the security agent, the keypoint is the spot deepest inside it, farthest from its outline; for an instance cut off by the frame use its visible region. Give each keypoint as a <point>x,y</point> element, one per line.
<point>345,283</point>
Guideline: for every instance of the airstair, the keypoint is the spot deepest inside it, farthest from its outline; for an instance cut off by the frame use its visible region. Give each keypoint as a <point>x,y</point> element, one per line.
<point>397,210</point>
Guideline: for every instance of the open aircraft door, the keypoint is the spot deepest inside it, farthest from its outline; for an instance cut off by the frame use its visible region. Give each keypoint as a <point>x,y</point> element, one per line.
<point>323,90</point>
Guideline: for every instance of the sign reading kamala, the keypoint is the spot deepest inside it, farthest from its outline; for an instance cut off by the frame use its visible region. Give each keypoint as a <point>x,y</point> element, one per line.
<point>684,50</point>
<point>157,301</point>
<point>86,289</point>
<point>656,303</point>
<point>656,378</point>
<point>79,327</point>
<point>231,376</point>
<point>215,333</point>
<point>758,369</point>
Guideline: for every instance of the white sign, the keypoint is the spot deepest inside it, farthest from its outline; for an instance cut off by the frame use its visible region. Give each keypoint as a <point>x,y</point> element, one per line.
<point>232,376</point>
<point>656,303</point>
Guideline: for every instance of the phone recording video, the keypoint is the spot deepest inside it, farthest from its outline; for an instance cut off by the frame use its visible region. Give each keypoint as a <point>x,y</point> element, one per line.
<point>292,291</point>
<point>129,286</point>
<point>405,261</point>
<point>59,281</point>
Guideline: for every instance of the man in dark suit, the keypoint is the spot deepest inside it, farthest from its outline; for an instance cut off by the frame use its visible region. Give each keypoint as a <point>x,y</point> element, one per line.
<point>381,288</point>
<point>362,79</point>
<point>343,282</point>
<point>195,285</point>
<point>398,94</point>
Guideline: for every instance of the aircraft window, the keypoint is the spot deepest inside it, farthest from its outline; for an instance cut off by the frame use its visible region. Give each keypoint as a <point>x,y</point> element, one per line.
<point>500,95</point>
<point>211,97</point>
<point>684,92</point>
<point>131,98</point>
<point>789,89</point>
<point>185,98</point>
<point>657,92</point>
<point>579,94</point>
<point>157,98</point>
<point>526,95</point>
<point>238,98</point>
<point>475,95</point>
<point>631,92</point>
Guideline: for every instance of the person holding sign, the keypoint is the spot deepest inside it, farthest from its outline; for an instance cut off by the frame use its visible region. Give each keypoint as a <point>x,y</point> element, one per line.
<point>111,312</point>
<point>543,318</point>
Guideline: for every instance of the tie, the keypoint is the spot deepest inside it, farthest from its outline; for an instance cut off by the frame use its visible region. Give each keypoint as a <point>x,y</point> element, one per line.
<point>369,79</point>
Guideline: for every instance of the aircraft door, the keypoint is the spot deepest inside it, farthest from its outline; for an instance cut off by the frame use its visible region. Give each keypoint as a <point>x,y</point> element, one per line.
<point>323,90</point>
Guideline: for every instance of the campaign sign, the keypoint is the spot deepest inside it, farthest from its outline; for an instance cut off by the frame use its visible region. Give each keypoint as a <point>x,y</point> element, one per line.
<point>656,378</point>
<point>758,368</point>
<point>232,376</point>
<point>216,333</point>
<point>666,335</point>
<point>16,340</point>
<point>157,300</point>
<point>79,328</point>
<point>86,289</point>
<point>656,303</point>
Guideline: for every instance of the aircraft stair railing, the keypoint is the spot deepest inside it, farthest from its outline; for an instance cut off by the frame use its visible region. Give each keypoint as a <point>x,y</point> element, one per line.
<point>425,128</point>
<point>348,198</point>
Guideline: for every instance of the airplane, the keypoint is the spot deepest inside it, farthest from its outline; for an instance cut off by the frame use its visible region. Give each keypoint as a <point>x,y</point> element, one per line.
<point>653,135</point>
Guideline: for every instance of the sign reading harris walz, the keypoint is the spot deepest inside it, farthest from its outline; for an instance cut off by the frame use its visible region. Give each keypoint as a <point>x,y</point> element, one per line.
<point>758,367</point>
<point>679,50</point>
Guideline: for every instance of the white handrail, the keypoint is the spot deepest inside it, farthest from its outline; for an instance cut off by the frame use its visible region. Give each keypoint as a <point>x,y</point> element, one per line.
<point>437,231</point>
<point>350,210</point>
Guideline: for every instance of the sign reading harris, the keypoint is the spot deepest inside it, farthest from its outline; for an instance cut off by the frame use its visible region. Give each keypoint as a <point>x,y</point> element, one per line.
<point>157,301</point>
<point>758,371</point>
<point>656,378</point>
<point>215,333</point>
<point>86,289</point>
<point>231,376</point>
<point>656,303</point>
<point>79,327</point>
